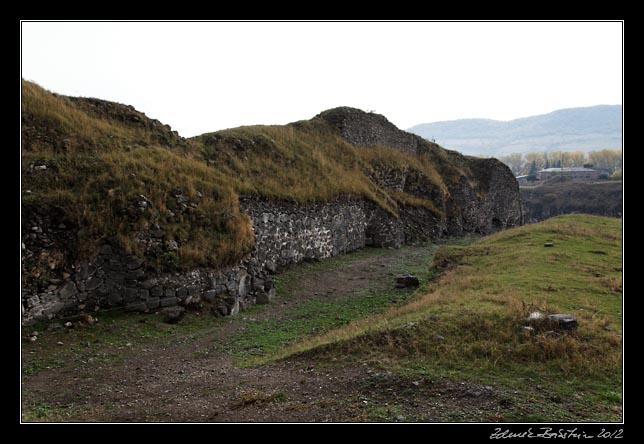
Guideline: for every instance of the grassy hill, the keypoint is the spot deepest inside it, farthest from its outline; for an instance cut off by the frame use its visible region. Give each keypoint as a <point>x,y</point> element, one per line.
<point>95,161</point>
<point>467,324</point>
<point>586,129</point>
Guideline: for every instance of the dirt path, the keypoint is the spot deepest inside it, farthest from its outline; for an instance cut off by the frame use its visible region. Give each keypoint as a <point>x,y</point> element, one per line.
<point>190,375</point>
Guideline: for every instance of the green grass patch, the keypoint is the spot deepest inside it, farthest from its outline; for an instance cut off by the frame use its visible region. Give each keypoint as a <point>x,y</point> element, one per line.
<point>468,323</point>
<point>265,340</point>
<point>113,338</point>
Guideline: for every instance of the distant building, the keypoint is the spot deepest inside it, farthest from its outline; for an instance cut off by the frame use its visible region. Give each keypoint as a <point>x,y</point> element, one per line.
<point>522,179</point>
<point>574,173</point>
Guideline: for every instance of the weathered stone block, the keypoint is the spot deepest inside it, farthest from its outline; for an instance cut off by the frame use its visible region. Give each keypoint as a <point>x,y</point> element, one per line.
<point>68,290</point>
<point>210,295</point>
<point>137,306</point>
<point>244,285</point>
<point>257,283</point>
<point>134,263</point>
<point>156,291</point>
<point>406,281</point>
<point>563,321</point>
<point>172,315</point>
<point>135,274</point>
<point>167,302</point>
<point>193,290</point>
<point>93,283</point>
<point>264,296</point>
<point>116,276</point>
<point>148,284</point>
<point>130,294</point>
<point>114,299</point>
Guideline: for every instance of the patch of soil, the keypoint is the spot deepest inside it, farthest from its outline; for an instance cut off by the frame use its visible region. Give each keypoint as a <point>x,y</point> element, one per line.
<point>176,381</point>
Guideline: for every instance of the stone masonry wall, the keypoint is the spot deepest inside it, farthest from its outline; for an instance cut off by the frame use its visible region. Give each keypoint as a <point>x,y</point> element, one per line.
<point>285,233</point>
<point>55,284</point>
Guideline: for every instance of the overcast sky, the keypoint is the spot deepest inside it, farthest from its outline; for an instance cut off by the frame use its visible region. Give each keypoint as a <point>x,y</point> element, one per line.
<point>202,77</point>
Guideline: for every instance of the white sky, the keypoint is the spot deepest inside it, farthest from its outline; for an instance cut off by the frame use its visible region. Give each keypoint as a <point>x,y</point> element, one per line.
<point>202,77</point>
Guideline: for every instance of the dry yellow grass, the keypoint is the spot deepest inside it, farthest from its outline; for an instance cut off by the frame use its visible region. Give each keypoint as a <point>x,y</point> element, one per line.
<point>101,155</point>
<point>472,317</point>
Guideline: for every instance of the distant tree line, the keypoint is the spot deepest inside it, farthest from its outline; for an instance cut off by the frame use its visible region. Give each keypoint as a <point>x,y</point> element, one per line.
<point>608,161</point>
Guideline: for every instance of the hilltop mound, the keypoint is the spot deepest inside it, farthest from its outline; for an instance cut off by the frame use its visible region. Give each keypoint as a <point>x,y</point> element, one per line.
<point>97,174</point>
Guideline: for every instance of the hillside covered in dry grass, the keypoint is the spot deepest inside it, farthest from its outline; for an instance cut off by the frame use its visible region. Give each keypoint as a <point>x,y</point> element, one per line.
<point>97,162</point>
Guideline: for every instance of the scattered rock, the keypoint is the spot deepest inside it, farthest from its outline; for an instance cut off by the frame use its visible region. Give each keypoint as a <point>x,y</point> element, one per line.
<point>439,338</point>
<point>172,315</point>
<point>68,290</point>
<point>222,310</point>
<point>264,297</point>
<point>564,321</point>
<point>55,326</point>
<point>527,329</point>
<point>535,316</point>
<point>552,322</point>
<point>69,324</point>
<point>33,338</point>
<point>549,244</point>
<point>271,266</point>
<point>406,280</point>
<point>59,343</point>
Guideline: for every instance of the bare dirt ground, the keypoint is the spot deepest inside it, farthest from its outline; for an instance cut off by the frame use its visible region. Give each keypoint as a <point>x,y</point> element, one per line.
<point>189,376</point>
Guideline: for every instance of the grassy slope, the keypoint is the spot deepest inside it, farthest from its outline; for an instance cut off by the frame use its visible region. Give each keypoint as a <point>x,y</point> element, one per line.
<point>468,323</point>
<point>101,155</point>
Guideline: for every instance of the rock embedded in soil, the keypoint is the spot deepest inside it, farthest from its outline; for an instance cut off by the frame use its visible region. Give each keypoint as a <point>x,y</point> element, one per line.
<point>560,321</point>
<point>406,280</point>
<point>172,315</point>
<point>563,321</point>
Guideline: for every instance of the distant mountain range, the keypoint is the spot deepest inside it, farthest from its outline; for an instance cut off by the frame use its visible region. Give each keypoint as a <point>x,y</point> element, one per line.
<point>573,129</point>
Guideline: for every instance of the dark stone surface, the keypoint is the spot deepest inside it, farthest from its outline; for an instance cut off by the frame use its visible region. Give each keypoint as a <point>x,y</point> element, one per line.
<point>210,295</point>
<point>172,315</point>
<point>166,302</point>
<point>406,281</point>
<point>137,306</point>
<point>563,321</point>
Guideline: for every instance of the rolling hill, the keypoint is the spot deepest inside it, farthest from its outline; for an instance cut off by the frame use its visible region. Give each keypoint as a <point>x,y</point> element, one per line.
<point>574,129</point>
